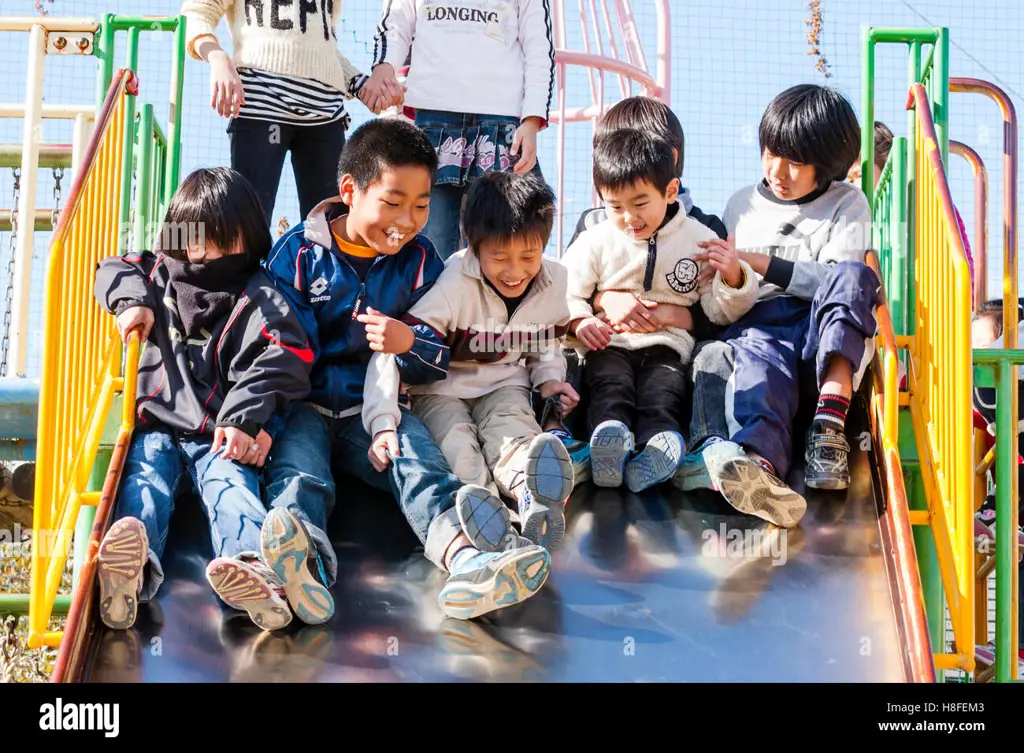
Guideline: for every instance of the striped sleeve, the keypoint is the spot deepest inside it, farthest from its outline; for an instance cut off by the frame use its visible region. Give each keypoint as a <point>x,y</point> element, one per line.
<point>395,31</point>
<point>279,98</point>
<point>537,38</point>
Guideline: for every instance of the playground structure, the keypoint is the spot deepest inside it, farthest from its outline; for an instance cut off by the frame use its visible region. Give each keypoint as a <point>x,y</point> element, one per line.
<point>925,471</point>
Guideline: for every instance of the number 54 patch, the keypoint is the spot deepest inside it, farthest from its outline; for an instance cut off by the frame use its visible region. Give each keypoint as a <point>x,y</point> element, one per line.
<point>683,277</point>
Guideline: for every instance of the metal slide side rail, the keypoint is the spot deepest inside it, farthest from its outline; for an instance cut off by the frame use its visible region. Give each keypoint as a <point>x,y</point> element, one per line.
<point>939,379</point>
<point>896,529</point>
<point>81,357</point>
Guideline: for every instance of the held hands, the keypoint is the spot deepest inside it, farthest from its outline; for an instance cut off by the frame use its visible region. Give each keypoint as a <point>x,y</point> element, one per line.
<point>387,335</point>
<point>567,396</point>
<point>594,333</point>
<point>384,447</point>
<point>137,317</point>
<point>721,256</point>
<point>238,445</point>
<point>628,313</point>
<point>382,90</point>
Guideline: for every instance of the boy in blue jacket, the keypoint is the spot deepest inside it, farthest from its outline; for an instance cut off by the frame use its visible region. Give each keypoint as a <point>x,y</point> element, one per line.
<point>351,272</point>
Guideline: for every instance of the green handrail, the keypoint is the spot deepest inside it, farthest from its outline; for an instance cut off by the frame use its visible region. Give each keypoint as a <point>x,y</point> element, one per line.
<point>998,368</point>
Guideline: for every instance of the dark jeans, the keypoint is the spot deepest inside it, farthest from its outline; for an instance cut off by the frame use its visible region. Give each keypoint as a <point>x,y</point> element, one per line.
<point>299,477</point>
<point>258,149</point>
<point>747,387</point>
<point>644,389</point>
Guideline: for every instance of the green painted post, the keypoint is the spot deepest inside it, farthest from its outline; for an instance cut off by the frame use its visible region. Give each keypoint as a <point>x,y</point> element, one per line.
<point>104,46</point>
<point>1006,535</point>
<point>17,604</point>
<point>174,122</point>
<point>129,144</point>
<point>898,219</point>
<point>87,513</point>
<point>144,198</point>
<point>867,129</point>
<point>914,75</point>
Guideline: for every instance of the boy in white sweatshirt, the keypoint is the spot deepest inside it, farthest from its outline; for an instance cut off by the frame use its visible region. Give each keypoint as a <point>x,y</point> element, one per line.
<point>501,308</point>
<point>480,84</point>
<point>636,380</point>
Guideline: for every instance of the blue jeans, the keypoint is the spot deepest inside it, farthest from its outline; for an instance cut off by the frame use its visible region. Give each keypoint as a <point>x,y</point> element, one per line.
<point>299,473</point>
<point>152,480</point>
<point>747,386</point>
<point>467,145</point>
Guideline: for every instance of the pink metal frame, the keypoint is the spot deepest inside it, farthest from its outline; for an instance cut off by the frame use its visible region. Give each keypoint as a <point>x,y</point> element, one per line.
<point>630,70</point>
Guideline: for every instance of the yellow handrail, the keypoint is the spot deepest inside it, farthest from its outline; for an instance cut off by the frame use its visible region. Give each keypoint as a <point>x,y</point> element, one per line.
<point>940,378</point>
<point>81,357</point>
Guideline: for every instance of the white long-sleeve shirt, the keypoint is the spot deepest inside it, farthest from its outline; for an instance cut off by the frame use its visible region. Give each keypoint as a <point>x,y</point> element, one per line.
<point>486,57</point>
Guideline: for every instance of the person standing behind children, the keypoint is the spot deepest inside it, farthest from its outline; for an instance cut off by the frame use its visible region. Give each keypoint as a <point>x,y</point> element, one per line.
<point>636,380</point>
<point>480,85</point>
<point>223,358</point>
<point>352,271</point>
<point>805,232</point>
<point>284,88</point>
<point>501,308</point>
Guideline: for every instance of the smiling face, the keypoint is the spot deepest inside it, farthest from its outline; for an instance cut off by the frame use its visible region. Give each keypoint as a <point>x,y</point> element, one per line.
<point>639,209</point>
<point>511,266</point>
<point>390,212</point>
<point>787,179</point>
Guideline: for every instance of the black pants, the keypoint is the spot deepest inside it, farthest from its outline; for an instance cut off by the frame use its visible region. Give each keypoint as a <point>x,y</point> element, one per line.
<point>258,149</point>
<point>644,389</point>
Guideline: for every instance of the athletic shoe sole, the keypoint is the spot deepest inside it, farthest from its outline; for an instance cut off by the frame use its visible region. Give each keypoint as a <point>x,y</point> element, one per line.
<point>242,587</point>
<point>549,477</point>
<point>656,464</point>
<point>520,574</point>
<point>750,489</point>
<point>830,481</point>
<point>610,445</point>
<point>287,548</point>
<point>120,563</point>
<point>485,519</point>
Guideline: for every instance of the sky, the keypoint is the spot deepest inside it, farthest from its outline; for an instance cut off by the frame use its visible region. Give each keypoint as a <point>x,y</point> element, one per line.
<point>728,59</point>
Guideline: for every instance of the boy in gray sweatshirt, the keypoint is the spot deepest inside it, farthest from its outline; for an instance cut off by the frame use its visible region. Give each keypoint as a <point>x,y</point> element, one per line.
<point>804,231</point>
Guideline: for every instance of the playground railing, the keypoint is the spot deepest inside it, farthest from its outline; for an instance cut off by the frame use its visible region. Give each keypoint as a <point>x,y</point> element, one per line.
<point>79,348</point>
<point>939,379</point>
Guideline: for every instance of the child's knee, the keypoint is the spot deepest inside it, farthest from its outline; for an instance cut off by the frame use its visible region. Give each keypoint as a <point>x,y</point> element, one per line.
<point>854,280</point>
<point>713,358</point>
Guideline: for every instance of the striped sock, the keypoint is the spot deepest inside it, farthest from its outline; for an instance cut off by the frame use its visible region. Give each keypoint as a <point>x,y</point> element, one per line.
<point>831,413</point>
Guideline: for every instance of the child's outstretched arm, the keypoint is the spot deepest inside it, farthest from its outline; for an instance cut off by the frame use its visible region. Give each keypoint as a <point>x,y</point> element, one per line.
<point>545,362</point>
<point>732,289</point>
<point>381,415</point>
<point>286,270</point>
<point>122,289</point>
<point>269,366</point>
<point>538,44</point>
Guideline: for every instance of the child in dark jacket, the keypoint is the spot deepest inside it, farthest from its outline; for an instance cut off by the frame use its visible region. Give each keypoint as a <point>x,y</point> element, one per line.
<point>352,271</point>
<point>222,356</point>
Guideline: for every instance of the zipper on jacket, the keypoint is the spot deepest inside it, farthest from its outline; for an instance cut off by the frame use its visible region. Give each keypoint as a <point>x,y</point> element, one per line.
<point>652,259</point>
<point>359,301</point>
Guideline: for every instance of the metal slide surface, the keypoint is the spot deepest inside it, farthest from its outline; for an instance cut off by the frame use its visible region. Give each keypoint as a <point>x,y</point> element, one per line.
<point>639,592</point>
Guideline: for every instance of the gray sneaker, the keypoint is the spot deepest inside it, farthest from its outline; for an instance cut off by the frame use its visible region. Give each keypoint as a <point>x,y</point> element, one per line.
<point>827,457</point>
<point>750,487</point>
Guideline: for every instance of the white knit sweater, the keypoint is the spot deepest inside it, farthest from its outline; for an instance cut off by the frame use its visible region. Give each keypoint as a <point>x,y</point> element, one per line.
<point>279,37</point>
<point>605,258</point>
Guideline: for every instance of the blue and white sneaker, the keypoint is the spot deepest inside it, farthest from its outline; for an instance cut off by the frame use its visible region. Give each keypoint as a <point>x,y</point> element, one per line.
<point>485,519</point>
<point>750,486</point>
<point>579,455</point>
<point>610,446</point>
<point>657,463</point>
<point>549,482</point>
<point>482,582</point>
<point>692,474</point>
<point>288,550</point>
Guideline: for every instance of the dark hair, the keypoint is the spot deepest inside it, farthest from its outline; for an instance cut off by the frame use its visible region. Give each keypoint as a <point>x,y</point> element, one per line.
<point>993,310</point>
<point>501,205</point>
<point>382,144</point>
<point>627,157</point>
<point>883,144</point>
<point>648,115</point>
<point>812,125</point>
<point>216,205</point>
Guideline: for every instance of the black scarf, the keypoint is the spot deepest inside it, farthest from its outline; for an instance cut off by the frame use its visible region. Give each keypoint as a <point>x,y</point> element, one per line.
<point>206,293</point>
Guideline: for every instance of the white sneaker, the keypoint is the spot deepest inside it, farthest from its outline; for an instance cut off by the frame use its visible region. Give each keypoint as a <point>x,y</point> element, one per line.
<point>750,487</point>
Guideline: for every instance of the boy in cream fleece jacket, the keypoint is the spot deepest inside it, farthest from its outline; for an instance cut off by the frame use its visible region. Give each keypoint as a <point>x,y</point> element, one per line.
<point>501,308</point>
<point>636,380</point>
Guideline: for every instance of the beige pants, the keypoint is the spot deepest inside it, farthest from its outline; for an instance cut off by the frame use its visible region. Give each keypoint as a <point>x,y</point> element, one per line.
<point>485,439</point>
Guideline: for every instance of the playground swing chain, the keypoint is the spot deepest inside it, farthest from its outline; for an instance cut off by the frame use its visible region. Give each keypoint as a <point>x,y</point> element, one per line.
<point>58,173</point>
<point>13,657</point>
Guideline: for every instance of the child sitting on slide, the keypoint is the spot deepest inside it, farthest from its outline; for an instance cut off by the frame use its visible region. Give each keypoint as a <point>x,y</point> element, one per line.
<point>223,355</point>
<point>501,308</point>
